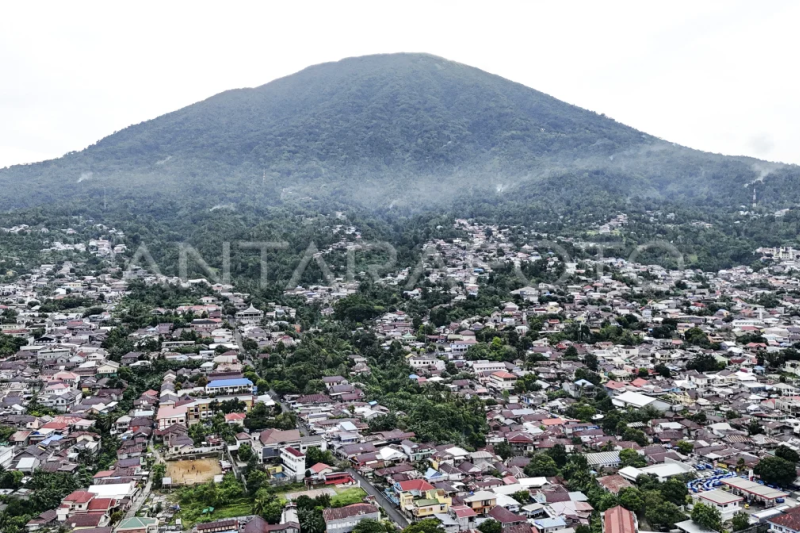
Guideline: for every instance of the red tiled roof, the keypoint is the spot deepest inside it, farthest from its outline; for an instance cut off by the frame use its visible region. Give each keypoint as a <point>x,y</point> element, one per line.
<point>462,511</point>
<point>618,520</point>
<point>791,519</point>
<point>319,467</point>
<point>101,504</point>
<point>79,496</point>
<point>292,451</point>
<point>81,520</point>
<point>415,484</point>
<point>504,516</point>
<point>614,483</point>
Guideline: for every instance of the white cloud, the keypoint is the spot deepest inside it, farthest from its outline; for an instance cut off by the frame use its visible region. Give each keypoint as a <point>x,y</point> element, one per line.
<point>713,75</point>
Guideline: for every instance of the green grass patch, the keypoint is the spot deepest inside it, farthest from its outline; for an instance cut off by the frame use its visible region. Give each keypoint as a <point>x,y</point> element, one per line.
<point>192,514</point>
<point>348,496</point>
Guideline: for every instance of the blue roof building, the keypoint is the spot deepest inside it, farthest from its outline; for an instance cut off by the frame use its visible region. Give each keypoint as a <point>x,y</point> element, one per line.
<point>230,386</point>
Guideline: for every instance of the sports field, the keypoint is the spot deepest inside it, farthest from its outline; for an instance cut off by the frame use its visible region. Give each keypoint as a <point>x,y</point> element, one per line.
<point>194,471</point>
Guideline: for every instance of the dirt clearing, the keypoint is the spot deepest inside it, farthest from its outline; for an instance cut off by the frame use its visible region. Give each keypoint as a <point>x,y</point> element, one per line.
<point>193,472</point>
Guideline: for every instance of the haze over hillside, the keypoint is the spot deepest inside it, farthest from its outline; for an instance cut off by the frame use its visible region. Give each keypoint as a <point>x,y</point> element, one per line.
<point>387,130</point>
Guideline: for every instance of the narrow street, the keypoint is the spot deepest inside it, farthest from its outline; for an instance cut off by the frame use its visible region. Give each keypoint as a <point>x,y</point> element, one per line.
<point>142,497</point>
<point>385,504</point>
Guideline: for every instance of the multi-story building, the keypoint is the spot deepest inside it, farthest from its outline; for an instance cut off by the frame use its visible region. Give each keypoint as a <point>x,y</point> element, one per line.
<point>294,463</point>
<point>481,502</point>
<point>502,380</point>
<point>168,416</point>
<point>420,499</point>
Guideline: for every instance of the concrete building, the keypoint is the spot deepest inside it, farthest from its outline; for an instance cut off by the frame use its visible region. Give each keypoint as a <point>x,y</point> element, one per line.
<point>251,315</point>
<point>294,463</point>
<point>229,386</point>
<point>345,519</point>
<point>725,502</point>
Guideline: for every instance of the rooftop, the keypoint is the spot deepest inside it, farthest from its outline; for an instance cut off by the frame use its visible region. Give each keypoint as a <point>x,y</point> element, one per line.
<point>618,520</point>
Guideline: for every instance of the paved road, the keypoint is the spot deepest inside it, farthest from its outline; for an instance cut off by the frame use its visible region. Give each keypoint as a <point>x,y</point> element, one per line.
<point>238,338</point>
<point>384,502</point>
<point>139,500</point>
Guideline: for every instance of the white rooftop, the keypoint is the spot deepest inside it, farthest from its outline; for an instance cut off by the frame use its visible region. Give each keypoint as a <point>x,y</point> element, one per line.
<point>720,497</point>
<point>633,398</point>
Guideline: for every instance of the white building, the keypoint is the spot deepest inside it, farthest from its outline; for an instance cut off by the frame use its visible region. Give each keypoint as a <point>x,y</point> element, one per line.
<point>502,380</point>
<point>663,471</point>
<point>251,315</point>
<point>294,463</point>
<point>725,502</point>
<point>488,366</point>
<point>637,400</point>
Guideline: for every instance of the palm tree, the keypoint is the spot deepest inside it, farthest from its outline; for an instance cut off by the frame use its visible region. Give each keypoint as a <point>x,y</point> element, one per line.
<point>261,500</point>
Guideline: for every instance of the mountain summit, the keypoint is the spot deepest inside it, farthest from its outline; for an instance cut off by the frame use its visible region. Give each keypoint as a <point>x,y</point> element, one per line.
<point>379,130</point>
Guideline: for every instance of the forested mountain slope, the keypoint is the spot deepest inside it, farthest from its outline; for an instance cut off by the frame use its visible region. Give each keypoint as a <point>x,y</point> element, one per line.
<point>381,131</point>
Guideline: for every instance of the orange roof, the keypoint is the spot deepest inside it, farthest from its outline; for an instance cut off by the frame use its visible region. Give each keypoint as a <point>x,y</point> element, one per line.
<point>319,467</point>
<point>618,520</point>
<point>415,484</point>
<point>55,425</point>
<point>101,504</point>
<point>79,496</point>
<point>462,511</point>
<point>553,421</point>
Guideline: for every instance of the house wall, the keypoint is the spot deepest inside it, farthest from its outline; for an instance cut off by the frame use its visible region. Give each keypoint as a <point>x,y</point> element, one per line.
<point>346,525</point>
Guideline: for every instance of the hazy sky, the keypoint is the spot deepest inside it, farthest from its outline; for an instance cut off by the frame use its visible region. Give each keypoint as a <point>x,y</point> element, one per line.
<point>718,76</point>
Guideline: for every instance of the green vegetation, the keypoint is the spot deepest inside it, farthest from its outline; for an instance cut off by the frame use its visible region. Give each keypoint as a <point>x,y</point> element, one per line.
<point>490,526</point>
<point>348,497</point>
<point>227,498</point>
<point>776,471</point>
<point>707,516</point>
<point>786,453</point>
<point>374,526</point>
<point>428,525</point>
<point>48,489</point>
<point>194,513</point>
<point>420,139</point>
<point>10,345</point>
<point>498,151</point>
<point>630,457</point>
<point>740,521</point>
